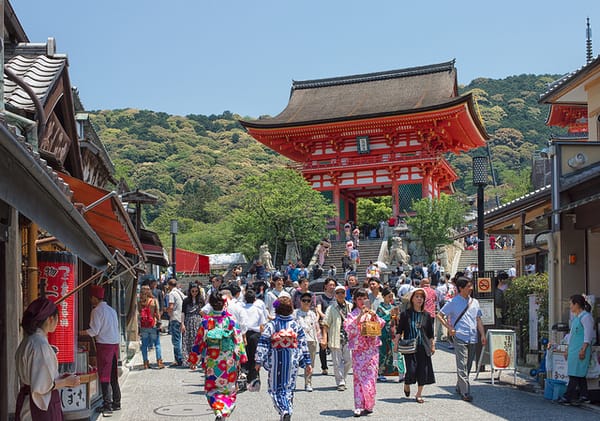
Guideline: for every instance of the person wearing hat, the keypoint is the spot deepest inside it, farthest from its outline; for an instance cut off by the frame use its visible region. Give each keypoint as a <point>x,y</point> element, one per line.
<point>335,336</point>
<point>104,328</point>
<point>416,323</point>
<point>37,366</point>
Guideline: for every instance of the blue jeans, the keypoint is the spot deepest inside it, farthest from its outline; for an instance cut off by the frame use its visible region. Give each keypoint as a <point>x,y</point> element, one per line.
<point>150,337</point>
<point>175,332</point>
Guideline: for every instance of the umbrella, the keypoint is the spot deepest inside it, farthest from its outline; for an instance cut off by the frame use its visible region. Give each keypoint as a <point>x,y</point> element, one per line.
<point>381,265</point>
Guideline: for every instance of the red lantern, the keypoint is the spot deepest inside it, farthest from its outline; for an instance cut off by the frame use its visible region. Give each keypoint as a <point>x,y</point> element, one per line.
<point>57,273</point>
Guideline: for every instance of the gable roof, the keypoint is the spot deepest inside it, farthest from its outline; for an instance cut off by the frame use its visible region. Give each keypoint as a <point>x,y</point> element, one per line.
<point>367,95</point>
<point>40,72</point>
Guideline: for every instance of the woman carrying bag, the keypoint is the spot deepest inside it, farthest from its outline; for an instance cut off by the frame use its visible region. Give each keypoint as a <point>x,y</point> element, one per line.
<point>415,327</point>
<point>364,328</point>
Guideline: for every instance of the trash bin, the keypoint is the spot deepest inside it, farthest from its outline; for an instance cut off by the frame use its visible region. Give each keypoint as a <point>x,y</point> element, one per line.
<point>554,389</point>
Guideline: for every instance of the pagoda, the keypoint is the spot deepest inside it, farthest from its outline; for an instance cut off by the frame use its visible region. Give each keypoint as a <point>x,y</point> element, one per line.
<point>376,134</point>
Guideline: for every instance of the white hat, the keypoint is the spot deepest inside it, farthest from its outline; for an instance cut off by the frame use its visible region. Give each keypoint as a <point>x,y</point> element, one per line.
<point>284,294</point>
<point>340,288</point>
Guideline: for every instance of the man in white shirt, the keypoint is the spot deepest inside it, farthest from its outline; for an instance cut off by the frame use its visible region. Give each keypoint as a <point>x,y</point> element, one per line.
<point>256,318</point>
<point>104,326</point>
<point>234,307</point>
<point>174,309</point>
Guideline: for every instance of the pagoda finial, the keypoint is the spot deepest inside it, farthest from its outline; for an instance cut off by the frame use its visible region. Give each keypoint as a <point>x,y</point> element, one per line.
<point>588,43</point>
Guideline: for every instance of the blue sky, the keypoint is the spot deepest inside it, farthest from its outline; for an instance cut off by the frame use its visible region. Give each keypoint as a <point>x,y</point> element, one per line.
<point>208,56</point>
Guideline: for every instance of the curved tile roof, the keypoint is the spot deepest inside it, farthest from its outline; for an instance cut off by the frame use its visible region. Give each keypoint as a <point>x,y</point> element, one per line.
<point>558,85</point>
<point>383,93</point>
<point>39,72</point>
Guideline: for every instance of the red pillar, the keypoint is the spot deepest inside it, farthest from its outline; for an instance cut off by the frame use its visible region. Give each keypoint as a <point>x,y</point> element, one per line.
<point>336,202</point>
<point>395,198</point>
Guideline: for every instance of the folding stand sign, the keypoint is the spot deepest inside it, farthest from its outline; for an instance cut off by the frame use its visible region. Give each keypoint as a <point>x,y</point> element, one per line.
<point>501,350</point>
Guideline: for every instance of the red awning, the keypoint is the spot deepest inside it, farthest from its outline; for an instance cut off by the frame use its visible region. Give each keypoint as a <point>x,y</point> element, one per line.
<point>191,263</point>
<point>105,213</point>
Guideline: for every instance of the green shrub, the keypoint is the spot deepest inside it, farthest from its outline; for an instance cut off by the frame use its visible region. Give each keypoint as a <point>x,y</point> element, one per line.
<point>517,302</point>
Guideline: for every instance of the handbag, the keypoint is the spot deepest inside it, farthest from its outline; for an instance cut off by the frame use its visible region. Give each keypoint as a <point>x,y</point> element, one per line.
<point>407,346</point>
<point>370,327</point>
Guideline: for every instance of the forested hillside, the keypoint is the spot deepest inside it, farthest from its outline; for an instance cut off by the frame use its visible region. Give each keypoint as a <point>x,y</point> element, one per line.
<point>194,163</point>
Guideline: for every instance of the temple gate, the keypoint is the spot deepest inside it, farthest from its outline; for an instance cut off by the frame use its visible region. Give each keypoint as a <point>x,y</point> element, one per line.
<point>376,134</point>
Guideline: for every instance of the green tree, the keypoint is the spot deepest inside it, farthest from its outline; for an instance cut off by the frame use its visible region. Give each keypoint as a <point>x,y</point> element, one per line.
<point>433,220</point>
<point>276,207</point>
<point>371,211</point>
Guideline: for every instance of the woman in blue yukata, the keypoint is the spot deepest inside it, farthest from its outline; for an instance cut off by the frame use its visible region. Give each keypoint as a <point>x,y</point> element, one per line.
<point>281,350</point>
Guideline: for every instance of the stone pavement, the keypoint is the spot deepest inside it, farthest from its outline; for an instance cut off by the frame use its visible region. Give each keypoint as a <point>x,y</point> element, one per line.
<point>177,393</point>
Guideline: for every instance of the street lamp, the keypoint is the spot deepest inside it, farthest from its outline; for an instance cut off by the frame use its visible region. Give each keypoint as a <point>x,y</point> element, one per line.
<point>174,247</point>
<point>480,179</point>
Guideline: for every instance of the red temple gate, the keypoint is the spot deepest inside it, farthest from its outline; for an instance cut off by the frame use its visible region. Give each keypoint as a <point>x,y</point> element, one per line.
<point>377,134</point>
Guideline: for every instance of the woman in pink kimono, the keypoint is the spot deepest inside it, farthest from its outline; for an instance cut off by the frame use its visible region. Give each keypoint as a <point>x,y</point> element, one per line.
<point>365,353</point>
<point>220,348</point>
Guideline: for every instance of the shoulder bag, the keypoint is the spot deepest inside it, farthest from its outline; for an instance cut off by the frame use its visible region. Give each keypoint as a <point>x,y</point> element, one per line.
<point>408,346</point>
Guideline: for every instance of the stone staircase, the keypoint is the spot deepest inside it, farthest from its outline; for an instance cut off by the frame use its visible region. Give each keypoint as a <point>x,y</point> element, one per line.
<point>369,250</point>
<point>495,260</point>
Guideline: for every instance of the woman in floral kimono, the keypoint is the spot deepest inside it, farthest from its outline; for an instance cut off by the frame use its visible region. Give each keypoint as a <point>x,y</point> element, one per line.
<point>388,312</point>
<point>220,348</point>
<point>281,350</point>
<point>365,353</point>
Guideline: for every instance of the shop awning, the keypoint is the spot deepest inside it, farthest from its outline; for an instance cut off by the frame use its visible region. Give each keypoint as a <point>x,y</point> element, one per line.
<point>28,185</point>
<point>191,263</point>
<point>155,253</point>
<point>105,213</point>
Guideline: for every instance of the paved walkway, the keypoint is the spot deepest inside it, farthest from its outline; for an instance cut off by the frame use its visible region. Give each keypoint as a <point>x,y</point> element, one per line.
<point>177,393</point>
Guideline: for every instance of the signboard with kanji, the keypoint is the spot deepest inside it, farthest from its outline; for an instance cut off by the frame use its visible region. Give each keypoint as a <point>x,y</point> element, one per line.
<point>503,349</point>
<point>57,275</point>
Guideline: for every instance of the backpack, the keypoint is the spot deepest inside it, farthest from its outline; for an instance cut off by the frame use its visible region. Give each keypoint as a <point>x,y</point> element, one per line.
<point>146,319</point>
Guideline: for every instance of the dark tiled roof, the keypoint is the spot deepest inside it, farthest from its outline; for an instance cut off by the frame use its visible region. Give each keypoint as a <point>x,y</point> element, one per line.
<point>558,85</point>
<point>39,72</point>
<point>367,95</point>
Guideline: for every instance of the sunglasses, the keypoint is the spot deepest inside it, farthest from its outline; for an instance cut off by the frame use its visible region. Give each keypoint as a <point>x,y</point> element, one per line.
<point>306,301</point>
<point>340,292</point>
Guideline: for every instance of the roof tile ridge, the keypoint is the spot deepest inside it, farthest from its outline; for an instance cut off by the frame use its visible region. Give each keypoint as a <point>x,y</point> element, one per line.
<point>370,77</point>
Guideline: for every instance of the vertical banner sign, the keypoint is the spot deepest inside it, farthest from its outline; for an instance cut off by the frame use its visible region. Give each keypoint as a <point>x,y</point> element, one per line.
<point>533,322</point>
<point>57,274</point>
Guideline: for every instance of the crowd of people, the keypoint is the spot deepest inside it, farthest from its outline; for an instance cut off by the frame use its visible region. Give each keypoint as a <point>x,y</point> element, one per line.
<point>501,242</point>
<point>232,329</point>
